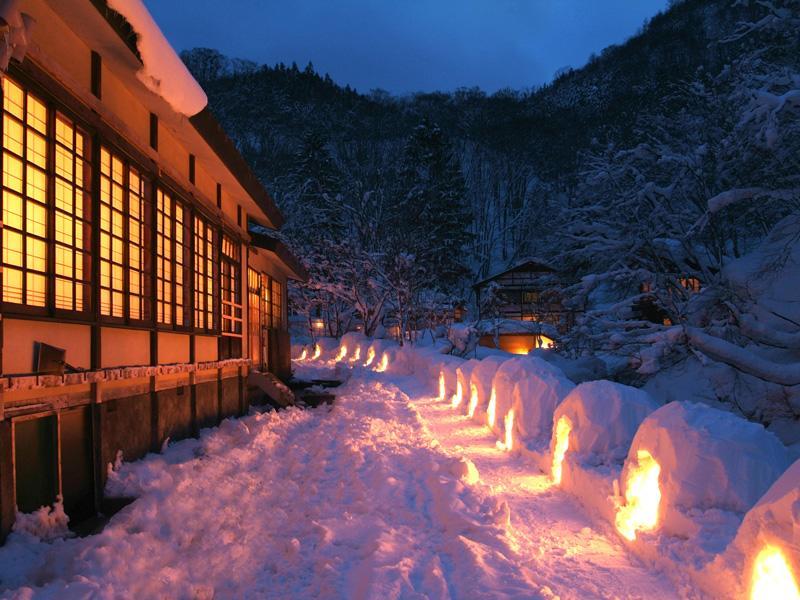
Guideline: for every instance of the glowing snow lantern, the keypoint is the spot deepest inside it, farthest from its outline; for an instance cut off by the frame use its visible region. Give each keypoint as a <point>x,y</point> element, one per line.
<point>491,411</point>
<point>342,353</point>
<point>642,497</point>
<point>473,400</point>
<point>458,396</point>
<point>772,576</point>
<point>563,429</point>
<point>370,356</point>
<point>303,355</point>
<point>509,425</point>
<point>317,351</point>
<point>442,390</point>
<point>356,355</point>
<point>384,364</point>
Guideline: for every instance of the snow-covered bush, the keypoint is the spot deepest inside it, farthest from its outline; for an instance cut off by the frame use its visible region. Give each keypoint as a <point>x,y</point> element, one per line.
<point>480,387</point>
<point>703,463</point>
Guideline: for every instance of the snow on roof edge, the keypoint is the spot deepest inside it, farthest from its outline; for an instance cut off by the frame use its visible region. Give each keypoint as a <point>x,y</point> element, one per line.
<point>163,72</point>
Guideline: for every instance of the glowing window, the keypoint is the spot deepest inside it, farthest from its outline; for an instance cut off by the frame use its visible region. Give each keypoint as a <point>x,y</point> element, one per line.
<point>231,287</point>
<point>36,249</point>
<point>123,263</point>
<point>170,260</point>
<point>276,295</point>
<point>203,274</point>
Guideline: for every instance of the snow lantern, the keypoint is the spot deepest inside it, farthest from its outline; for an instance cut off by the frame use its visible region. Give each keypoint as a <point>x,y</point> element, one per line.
<point>596,423</point>
<point>763,560</point>
<point>463,373</point>
<point>687,458</point>
<point>480,383</point>
<point>326,348</point>
<point>535,396</point>
<point>353,341</point>
<point>504,413</point>
<point>447,380</point>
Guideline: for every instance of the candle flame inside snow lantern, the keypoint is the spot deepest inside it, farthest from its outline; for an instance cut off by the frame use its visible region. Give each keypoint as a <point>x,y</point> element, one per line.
<point>772,576</point>
<point>473,400</point>
<point>563,429</point>
<point>384,364</point>
<point>370,356</point>
<point>642,497</point>
<point>458,396</point>
<point>442,390</point>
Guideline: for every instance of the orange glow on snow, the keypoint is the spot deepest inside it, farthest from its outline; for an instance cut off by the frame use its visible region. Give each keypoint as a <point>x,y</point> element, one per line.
<point>370,356</point>
<point>356,355</point>
<point>642,497</point>
<point>384,364</point>
<point>442,390</point>
<point>303,355</point>
<point>458,397</point>
<point>772,576</point>
<point>342,353</point>
<point>563,429</point>
<point>317,351</point>
<point>473,400</point>
<point>491,411</point>
<point>509,425</point>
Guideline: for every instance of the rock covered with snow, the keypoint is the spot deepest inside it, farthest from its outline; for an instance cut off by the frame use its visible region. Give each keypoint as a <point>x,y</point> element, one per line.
<point>535,397</point>
<point>480,386</point>
<point>709,459</point>
<point>603,419</point>
<point>162,72</point>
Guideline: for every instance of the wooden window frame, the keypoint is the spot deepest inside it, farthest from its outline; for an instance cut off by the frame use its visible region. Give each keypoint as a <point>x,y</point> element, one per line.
<point>173,250</point>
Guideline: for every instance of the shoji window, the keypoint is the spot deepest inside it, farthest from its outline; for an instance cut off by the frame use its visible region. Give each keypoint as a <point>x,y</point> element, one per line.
<point>276,295</point>
<point>72,205</point>
<point>123,262</point>
<point>171,262</point>
<point>37,250</point>
<point>231,286</point>
<point>203,274</point>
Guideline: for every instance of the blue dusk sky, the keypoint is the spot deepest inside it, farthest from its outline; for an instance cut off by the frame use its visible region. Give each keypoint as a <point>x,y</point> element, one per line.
<point>409,45</point>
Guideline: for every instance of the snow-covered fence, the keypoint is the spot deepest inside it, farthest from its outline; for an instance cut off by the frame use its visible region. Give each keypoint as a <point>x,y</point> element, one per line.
<point>592,431</point>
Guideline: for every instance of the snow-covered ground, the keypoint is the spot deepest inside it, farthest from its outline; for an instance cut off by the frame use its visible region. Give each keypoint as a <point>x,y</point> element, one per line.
<point>389,494</point>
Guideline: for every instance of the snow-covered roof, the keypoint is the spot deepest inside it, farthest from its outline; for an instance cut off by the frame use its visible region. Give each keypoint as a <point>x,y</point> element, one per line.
<point>528,263</point>
<point>162,72</point>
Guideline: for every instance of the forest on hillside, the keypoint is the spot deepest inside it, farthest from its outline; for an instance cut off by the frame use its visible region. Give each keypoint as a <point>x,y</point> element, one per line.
<point>672,157</point>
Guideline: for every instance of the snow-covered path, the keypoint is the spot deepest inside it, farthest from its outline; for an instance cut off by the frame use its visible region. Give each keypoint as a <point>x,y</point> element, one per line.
<point>369,500</point>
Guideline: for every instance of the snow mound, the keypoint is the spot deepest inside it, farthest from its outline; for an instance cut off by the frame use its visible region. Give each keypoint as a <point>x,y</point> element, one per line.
<point>709,460</point>
<point>448,376</point>
<point>773,522</point>
<point>585,368</point>
<point>480,386</point>
<point>46,524</point>
<point>328,348</point>
<point>162,72</point>
<point>535,397</point>
<point>603,418</point>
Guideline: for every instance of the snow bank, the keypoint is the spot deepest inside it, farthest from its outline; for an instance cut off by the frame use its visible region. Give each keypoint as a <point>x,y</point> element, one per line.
<point>325,348</point>
<point>162,72</point>
<point>709,460</point>
<point>355,346</point>
<point>585,368</point>
<point>47,523</point>
<point>480,384</point>
<point>773,523</point>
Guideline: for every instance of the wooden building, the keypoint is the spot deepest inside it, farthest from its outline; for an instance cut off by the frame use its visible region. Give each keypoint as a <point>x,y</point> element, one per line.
<point>135,297</point>
<point>528,293</point>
